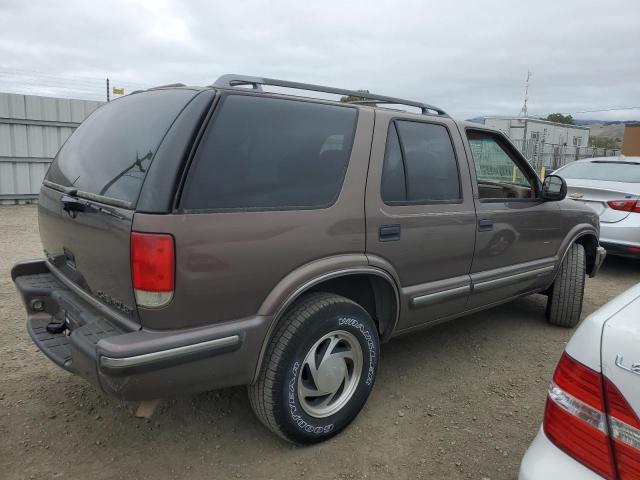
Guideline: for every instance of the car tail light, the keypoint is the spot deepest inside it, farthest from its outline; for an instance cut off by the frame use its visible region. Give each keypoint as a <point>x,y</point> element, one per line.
<point>625,433</point>
<point>574,417</point>
<point>152,268</point>
<point>625,205</point>
<point>602,435</point>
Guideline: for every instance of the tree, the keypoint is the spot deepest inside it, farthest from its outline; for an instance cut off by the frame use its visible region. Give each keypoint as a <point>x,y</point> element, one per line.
<point>560,118</point>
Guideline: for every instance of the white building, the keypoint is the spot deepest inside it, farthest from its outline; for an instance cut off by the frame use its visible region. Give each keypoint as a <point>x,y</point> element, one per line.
<point>540,131</point>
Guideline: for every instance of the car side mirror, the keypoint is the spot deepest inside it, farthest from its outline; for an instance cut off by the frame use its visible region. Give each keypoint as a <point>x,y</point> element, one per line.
<point>554,188</point>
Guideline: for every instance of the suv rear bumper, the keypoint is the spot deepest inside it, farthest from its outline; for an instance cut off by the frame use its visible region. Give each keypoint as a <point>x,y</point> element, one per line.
<point>134,364</point>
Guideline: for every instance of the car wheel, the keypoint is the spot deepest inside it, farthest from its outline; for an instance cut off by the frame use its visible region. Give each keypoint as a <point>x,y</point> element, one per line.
<point>564,304</point>
<point>318,370</point>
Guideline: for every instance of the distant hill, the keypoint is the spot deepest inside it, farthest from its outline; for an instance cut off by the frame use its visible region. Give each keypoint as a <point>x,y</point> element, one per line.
<point>602,122</point>
<point>614,131</point>
<point>580,122</point>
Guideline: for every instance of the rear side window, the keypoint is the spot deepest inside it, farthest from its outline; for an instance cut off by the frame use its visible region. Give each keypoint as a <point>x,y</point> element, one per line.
<point>111,151</point>
<point>266,153</point>
<point>420,165</point>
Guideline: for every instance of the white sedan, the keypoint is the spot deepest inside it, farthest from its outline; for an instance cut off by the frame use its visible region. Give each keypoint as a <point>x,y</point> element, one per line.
<point>611,186</point>
<point>591,426</point>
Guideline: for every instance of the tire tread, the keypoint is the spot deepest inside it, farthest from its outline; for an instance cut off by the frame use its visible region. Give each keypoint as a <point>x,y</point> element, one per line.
<point>567,293</point>
<point>262,393</point>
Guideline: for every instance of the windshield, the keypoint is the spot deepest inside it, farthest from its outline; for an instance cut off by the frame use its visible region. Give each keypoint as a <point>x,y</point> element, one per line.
<point>110,152</point>
<point>598,170</point>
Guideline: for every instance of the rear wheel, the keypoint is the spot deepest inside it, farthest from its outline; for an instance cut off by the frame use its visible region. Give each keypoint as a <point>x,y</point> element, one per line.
<point>564,305</point>
<point>318,370</point>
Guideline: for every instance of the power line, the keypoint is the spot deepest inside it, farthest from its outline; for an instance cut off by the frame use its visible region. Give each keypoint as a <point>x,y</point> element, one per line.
<point>31,82</point>
<point>595,111</point>
<point>75,78</point>
<point>607,110</point>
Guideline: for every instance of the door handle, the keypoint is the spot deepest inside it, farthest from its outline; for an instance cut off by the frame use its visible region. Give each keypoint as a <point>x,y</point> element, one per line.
<point>485,225</point>
<point>389,233</point>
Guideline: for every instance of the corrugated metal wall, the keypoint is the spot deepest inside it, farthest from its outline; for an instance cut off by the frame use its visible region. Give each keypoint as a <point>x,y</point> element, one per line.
<point>32,130</point>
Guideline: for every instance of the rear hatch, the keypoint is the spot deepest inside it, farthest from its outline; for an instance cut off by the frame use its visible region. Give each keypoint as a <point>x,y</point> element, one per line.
<point>89,194</point>
<point>597,182</point>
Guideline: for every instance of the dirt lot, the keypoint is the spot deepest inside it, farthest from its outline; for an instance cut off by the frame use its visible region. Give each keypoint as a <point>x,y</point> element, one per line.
<point>462,400</point>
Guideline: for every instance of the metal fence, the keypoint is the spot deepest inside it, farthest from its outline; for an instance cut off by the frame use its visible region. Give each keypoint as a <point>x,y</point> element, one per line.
<point>552,156</point>
<point>32,129</point>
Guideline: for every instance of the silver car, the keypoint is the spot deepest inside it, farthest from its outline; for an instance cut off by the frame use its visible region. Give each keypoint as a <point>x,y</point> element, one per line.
<point>611,186</point>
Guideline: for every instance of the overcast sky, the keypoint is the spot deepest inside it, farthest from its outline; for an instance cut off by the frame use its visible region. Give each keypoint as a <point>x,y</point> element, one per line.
<point>468,57</point>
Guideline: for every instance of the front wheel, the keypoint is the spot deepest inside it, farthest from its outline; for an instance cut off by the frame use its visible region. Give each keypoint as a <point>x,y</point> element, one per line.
<point>564,305</point>
<point>318,370</point>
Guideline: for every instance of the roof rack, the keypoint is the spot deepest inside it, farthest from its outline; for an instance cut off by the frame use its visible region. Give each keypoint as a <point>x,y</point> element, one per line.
<point>231,81</point>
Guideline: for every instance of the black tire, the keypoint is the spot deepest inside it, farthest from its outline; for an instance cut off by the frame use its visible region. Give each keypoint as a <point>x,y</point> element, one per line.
<point>564,304</point>
<point>274,396</point>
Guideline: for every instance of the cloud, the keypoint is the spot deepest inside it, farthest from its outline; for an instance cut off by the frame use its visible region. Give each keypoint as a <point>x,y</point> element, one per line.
<point>467,57</point>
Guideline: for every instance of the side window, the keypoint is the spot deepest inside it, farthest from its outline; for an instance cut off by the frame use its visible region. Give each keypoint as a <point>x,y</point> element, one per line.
<point>266,153</point>
<point>393,178</point>
<point>498,174</point>
<point>420,165</point>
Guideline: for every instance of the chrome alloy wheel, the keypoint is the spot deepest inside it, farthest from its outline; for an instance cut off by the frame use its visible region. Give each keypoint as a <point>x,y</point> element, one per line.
<point>330,374</point>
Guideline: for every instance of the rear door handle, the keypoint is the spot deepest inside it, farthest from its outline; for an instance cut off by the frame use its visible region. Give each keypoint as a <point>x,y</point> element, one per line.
<point>389,233</point>
<point>485,225</point>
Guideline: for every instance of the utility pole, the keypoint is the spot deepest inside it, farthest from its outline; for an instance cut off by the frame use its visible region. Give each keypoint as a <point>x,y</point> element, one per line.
<point>108,89</point>
<point>523,112</point>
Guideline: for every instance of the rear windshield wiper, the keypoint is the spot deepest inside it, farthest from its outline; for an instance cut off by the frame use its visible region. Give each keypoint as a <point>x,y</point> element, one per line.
<point>72,203</point>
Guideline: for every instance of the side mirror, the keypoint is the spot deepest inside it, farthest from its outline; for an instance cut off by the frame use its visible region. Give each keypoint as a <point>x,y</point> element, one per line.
<point>554,188</point>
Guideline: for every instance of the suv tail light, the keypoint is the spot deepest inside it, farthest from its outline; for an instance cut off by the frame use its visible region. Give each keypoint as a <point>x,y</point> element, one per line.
<point>589,419</point>
<point>152,268</point>
<point>625,205</point>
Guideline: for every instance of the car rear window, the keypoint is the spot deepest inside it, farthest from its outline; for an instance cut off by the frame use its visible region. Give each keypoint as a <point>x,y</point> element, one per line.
<point>420,165</point>
<point>609,171</point>
<point>268,153</point>
<point>110,152</point>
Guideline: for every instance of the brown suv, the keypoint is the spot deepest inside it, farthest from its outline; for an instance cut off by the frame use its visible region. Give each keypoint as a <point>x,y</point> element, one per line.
<point>199,238</point>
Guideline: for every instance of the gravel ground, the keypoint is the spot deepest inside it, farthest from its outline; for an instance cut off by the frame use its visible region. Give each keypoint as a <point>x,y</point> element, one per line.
<point>461,400</point>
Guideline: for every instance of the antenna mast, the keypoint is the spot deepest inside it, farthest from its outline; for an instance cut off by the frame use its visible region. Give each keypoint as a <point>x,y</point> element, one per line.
<point>523,112</point>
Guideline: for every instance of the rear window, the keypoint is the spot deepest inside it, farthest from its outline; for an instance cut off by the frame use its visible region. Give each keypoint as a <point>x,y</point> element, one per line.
<point>110,152</point>
<point>267,153</point>
<point>420,165</point>
<point>609,171</point>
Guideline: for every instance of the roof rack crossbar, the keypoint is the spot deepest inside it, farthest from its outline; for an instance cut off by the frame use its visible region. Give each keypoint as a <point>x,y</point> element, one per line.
<point>231,81</point>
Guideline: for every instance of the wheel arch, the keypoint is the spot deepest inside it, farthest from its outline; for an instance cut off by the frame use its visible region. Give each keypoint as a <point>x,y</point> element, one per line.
<point>586,236</point>
<point>590,243</point>
<point>372,288</point>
